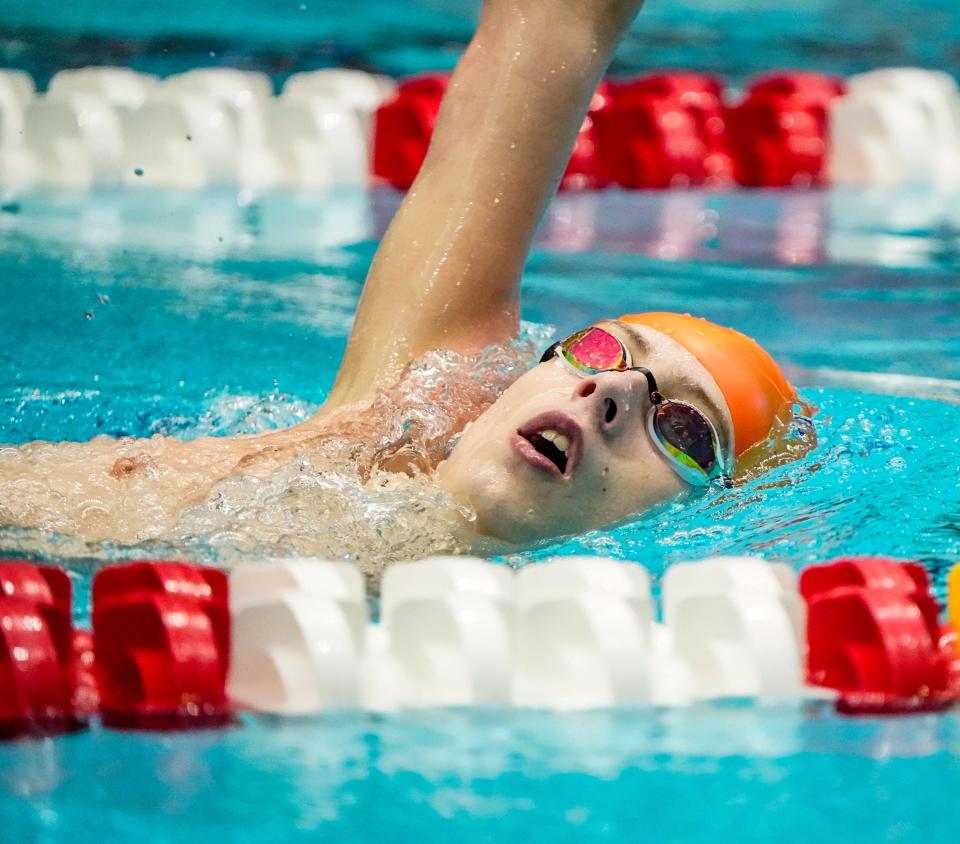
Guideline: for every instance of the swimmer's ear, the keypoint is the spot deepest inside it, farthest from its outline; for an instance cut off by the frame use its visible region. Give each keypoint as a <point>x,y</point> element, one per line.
<point>550,352</point>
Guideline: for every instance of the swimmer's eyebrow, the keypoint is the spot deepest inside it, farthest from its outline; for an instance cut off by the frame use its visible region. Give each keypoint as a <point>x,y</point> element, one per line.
<point>637,345</point>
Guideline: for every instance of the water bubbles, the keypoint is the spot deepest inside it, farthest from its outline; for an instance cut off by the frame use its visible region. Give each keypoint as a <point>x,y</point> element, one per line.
<point>855,493</point>
<point>333,491</point>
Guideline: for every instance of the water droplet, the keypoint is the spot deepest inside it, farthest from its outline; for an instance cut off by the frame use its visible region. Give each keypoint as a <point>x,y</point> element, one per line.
<point>138,171</point>
<point>89,314</point>
<point>103,299</point>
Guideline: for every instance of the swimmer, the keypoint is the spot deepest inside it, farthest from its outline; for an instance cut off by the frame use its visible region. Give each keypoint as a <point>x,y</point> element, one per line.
<point>625,415</point>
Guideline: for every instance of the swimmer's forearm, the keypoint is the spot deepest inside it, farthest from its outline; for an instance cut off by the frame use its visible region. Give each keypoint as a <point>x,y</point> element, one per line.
<point>447,273</point>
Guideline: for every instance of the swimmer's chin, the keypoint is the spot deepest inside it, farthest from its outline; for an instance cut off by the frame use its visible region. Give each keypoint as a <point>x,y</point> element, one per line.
<point>489,526</point>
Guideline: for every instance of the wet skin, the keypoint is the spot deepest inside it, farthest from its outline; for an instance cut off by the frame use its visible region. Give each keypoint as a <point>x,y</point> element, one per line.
<point>613,469</point>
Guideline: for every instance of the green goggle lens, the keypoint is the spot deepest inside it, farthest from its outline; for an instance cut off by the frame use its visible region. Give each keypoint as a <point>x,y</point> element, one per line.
<point>685,432</point>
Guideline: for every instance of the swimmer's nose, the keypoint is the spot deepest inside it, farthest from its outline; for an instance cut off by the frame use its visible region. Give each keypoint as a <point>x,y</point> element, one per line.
<point>618,399</point>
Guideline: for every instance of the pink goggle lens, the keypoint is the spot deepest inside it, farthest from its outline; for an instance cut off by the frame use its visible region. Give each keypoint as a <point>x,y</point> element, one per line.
<point>598,350</point>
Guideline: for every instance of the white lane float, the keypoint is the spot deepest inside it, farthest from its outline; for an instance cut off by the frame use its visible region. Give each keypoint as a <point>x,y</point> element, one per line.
<point>584,634</point>
<point>72,141</point>
<point>180,139</point>
<point>897,126</point>
<point>447,631</point>
<point>119,86</point>
<point>330,112</point>
<point>572,633</point>
<point>316,143</point>
<point>355,89</point>
<point>224,126</point>
<point>238,88</point>
<point>298,636</point>
<point>246,97</point>
<point>243,94</point>
<point>737,624</point>
<point>16,91</point>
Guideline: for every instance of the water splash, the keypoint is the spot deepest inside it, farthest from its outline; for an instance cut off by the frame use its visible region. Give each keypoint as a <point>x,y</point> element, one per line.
<point>884,478</point>
<point>359,487</point>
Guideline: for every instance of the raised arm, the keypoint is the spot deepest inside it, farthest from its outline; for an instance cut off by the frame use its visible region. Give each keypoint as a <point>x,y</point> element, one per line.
<point>447,273</point>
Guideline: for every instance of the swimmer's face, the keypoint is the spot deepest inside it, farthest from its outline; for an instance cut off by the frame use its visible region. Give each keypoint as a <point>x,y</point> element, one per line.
<point>613,468</point>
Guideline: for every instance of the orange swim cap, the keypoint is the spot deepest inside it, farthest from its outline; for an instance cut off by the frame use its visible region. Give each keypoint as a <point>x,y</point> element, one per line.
<point>754,387</point>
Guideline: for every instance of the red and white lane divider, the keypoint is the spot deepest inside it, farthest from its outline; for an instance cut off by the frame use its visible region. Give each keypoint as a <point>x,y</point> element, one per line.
<point>874,634</point>
<point>202,128</point>
<point>221,126</point>
<point>161,634</point>
<point>44,664</point>
<point>299,635</point>
<point>171,650</point>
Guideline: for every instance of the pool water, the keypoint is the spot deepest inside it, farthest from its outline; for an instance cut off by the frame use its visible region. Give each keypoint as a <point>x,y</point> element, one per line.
<point>157,313</point>
<point>736,38</point>
<point>711,774</point>
<point>133,314</point>
<point>187,314</point>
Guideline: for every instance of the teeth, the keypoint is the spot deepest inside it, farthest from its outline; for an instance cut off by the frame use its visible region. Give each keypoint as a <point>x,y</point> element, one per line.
<point>561,441</point>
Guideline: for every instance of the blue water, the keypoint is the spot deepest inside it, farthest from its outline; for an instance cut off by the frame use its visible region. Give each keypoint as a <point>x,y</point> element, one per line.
<point>134,314</point>
<point>736,37</point>
<point>714,774</point>
<point>161,313</point>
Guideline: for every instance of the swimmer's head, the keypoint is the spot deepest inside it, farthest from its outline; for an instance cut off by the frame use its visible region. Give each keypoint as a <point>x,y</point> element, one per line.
<point>757,394</point>
<point>605,461</point>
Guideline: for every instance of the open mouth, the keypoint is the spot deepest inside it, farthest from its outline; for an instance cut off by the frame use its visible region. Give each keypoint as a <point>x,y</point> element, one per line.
<point>551,442</point>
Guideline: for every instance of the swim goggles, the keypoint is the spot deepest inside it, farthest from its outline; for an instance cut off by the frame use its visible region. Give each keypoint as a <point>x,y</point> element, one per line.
<point>682,433</point>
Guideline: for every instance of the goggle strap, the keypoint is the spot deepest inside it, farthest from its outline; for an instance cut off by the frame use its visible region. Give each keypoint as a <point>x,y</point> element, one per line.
<point>551,352</point>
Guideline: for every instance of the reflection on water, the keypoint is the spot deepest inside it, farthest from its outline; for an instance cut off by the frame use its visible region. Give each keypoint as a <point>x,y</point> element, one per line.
<point>736,38</point>
<point>190,334</point>
<point>336,493</point>
<point>908,228</point>
<point>357,777</point>
<point>229,316</point>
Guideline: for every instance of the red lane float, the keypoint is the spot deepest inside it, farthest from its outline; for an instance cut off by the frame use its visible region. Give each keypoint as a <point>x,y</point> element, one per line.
<point>665,130</point>
<point>405,125</point>
<point>162,644</point>
<point>873,633</point>
<point>403,128</point>
<point>37,666</point>
<point>953,598</point>
<point>780,132</point>
<point>585,170</point>
<point>658,131</point>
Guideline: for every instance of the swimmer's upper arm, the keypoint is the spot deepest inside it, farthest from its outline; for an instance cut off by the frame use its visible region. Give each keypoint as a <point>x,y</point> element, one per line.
<point>447,273</point>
